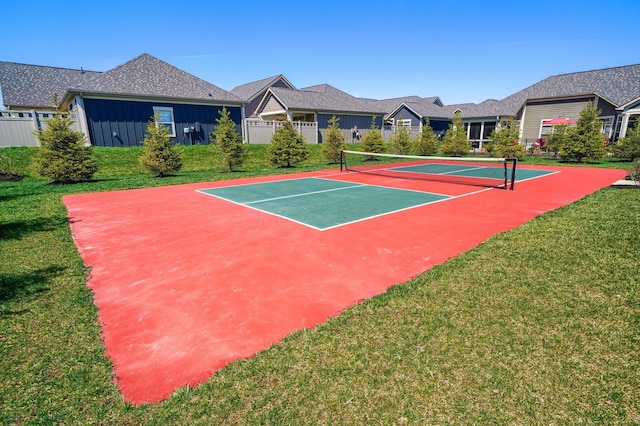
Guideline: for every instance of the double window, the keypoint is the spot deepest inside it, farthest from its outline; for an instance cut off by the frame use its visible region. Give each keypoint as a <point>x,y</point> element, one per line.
<point>165,118</point>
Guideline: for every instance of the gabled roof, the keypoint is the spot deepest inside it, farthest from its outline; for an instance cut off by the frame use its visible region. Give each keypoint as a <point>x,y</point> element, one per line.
<point>391,104</point>
<point>251,90</point>
<point>146,76</point>
<point>421,107</point>
<point>322,97</point>
<point>617,85</point>
<point>33,86</point>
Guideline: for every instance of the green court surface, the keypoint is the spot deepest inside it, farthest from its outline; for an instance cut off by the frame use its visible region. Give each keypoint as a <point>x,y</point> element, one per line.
<point>471,171</point>
<point>323,203</point>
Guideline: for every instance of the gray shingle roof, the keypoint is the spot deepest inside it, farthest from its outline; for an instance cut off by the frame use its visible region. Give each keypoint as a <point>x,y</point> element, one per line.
<point>34,86</point>
<point>324,97</point>
<point>618,85</point>
<point>146,76</point>
<point>250,90</point>
<point>424,107</point>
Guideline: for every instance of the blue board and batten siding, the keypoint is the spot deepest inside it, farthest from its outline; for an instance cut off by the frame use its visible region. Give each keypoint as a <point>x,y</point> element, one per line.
<point>406,114</point>
<point>349,121</point>
<point>128,120</point>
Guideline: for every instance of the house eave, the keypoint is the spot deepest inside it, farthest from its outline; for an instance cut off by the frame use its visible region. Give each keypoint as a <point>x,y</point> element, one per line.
<point>66,100</point>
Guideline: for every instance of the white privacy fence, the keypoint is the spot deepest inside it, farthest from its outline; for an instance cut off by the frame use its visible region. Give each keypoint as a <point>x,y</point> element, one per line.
<point>17,127</point>
<point>261,131</point>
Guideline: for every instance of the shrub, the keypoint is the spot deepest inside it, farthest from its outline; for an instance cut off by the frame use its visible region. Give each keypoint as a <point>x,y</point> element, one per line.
<point>401,140</point>
<point>634,172</point>
<point>372,141</point>
<point>455,140</point>
<point>557,138</point>
<point>159,154</point>
<point>628,148</point>
<point>226,142</point>
<point>427,142</point>
<point>503,141</point>
<point>63,156</point>
<point>333,141</point>
<point>287,147</point>
<point>585,141</point>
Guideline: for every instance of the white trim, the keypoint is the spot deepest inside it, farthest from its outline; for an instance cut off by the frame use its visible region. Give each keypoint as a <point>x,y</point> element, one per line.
<point>157,109</point>
<point>81,115</point>
<point>181,101</point>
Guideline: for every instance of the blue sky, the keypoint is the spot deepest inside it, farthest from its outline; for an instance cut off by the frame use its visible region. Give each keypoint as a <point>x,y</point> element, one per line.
<point>460,50</point>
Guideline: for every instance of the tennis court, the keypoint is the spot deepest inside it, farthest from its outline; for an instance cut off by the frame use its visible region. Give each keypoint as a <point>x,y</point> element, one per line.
<point>189,278</point>
<point>325,203</point>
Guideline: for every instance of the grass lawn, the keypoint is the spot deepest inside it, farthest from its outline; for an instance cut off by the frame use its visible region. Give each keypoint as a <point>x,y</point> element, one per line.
<point>539,325</point>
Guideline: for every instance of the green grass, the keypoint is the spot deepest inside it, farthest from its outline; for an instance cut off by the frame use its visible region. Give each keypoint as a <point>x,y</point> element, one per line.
<point>539,325</point>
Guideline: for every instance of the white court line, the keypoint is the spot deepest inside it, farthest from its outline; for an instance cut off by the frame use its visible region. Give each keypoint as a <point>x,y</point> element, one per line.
<point>302,194</point>
<point>355,185</point>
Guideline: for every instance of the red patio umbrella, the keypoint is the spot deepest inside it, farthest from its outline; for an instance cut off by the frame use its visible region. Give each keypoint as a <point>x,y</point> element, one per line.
<point>556,121</point>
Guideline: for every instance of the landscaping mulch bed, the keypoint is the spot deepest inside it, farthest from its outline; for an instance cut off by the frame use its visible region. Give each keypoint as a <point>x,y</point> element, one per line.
<point>6,176</point>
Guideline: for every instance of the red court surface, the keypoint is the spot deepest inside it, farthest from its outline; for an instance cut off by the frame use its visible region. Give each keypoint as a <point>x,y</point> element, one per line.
<point>186,283</point>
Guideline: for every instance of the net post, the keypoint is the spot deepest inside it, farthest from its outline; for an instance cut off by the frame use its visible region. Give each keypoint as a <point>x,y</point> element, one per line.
<point>341,159</point>
<point>513,173</point>
<point>506,173</point>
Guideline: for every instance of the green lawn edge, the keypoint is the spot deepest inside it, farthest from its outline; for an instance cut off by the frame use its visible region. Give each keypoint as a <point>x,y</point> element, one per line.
<point>538,325</point>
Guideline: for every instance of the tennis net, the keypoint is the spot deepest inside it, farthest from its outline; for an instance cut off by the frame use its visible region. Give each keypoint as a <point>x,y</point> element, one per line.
<point>486,172</point>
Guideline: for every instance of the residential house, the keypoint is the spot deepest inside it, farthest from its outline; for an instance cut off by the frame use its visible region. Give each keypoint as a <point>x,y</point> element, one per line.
<point>252,93</point>
<point>113,108</point>
<point>614,91</point>
<point>313,107</point>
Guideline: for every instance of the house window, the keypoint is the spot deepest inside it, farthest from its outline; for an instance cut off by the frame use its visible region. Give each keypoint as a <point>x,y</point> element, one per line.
<point>406,122</point>
<point>607,126</point>
<point>474,132</point>
<point>165,118</point>
<point>301,116</point>
<point>489,127</point>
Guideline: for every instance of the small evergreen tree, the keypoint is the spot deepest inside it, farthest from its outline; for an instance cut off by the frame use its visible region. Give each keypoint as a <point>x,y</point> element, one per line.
<point>634,171</point>
<point>503,141</point>
<point>372,141</point>
<point>585,141</point>
<point>287,147</point>
<point>63,156</point>
<point>401,140</point>
<point>427,142</point>
<point>226,142</point>
<point>159,154</point>
<point>455,140</point>
<point>628,148</point>
<point>333,141</point>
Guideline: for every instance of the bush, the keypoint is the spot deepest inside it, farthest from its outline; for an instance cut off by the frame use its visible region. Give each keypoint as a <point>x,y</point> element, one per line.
<point>427,142</point>
<point>628,148</point>
<point>634,172</point>
<point>287,147</point>
<point>401,140</point>
<point>455,140</point>
<point>333,141</point>
<point>226,142</point>
<point>585,141</point>
<point>372,141</point>
<point>557,138</point>
<point>159,154</point>
<point>503,141</point>
<point>63,156</point>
